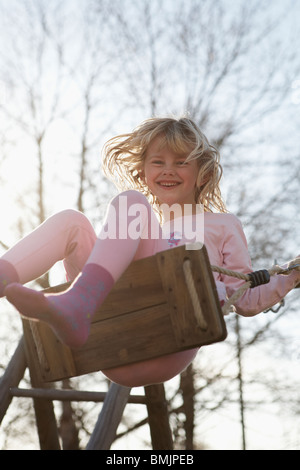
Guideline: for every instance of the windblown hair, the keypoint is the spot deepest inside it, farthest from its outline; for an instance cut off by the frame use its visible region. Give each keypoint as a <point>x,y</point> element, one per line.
<point>124,156</point>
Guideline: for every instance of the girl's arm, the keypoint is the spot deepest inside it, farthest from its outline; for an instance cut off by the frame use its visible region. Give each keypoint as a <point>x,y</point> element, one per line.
<point>236,257</point>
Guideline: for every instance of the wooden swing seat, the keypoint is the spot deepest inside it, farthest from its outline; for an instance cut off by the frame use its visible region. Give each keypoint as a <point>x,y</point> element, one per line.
<point>148,313</point>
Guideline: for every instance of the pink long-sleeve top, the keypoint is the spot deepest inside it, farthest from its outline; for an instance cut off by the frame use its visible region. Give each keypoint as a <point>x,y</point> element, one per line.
<point>227,247</point>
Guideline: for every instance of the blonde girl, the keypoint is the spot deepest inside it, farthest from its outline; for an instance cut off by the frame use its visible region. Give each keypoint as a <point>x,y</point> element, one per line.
<point>164,163</point>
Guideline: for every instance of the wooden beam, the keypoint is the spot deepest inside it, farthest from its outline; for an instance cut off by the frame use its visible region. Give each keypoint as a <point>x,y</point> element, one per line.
<point>12,376</point>
<point>69,395</point>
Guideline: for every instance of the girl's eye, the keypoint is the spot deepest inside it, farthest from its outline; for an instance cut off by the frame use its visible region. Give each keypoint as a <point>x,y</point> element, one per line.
<point>182,163</point>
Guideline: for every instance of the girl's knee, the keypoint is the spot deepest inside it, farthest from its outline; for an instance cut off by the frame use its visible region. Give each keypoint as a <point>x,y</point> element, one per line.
<point>71,223</point>
<point>130,197</point>
<point>72,217</point>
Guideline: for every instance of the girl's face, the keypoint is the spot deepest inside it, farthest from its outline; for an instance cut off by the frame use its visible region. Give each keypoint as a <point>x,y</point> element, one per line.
<point>168,176</point>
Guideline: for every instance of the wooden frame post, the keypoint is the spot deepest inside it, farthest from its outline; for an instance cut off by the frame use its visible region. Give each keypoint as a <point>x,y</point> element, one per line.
<point>12,377</point>
<point>44,412</point>
<point>158,414</point>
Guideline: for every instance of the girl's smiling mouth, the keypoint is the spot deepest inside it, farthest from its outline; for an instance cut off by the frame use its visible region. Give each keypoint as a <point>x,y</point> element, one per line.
<point>168,184</point>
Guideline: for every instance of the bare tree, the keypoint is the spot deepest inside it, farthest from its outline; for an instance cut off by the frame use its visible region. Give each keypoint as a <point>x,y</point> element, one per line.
<point>104,66</point>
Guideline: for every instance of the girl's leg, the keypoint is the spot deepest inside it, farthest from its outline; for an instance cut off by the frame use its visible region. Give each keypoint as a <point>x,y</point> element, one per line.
<point>125,236</point>
<point>67,236</point>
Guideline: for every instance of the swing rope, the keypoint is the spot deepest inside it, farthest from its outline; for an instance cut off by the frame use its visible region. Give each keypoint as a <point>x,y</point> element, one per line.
<point>253,279</point>
<point>39,345</point>
<point>187,270</point>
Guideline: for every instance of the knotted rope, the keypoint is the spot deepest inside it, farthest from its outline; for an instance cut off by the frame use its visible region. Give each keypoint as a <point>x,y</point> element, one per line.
<point>39,345</point>
<point>187,270</point>
<point>252,280</point>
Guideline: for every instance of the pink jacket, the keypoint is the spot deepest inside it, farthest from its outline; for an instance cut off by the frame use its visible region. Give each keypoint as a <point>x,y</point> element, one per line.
<point>227,247</point>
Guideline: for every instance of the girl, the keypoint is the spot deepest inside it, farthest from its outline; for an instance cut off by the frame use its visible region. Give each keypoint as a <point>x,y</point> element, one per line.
<point>163,163</point>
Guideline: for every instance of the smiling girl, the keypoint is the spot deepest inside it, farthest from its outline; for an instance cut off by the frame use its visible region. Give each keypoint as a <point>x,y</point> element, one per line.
<point>163,163</point>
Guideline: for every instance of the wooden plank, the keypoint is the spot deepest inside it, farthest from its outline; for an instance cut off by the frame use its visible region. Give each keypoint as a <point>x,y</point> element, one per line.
<point>130,338</point>
<point>184,320</point>
<point>57,356</point>
<point>35,366</point>
<point>177,295</point>
<point>139,287</point>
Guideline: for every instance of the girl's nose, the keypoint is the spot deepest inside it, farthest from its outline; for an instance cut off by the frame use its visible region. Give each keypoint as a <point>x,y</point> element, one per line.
<point>168,170</point>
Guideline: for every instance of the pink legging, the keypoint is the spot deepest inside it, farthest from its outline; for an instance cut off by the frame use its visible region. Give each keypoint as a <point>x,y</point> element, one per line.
<point>69,236</point>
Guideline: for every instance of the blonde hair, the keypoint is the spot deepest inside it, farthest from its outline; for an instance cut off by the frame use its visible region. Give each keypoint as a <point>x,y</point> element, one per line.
<point>124,156</point>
